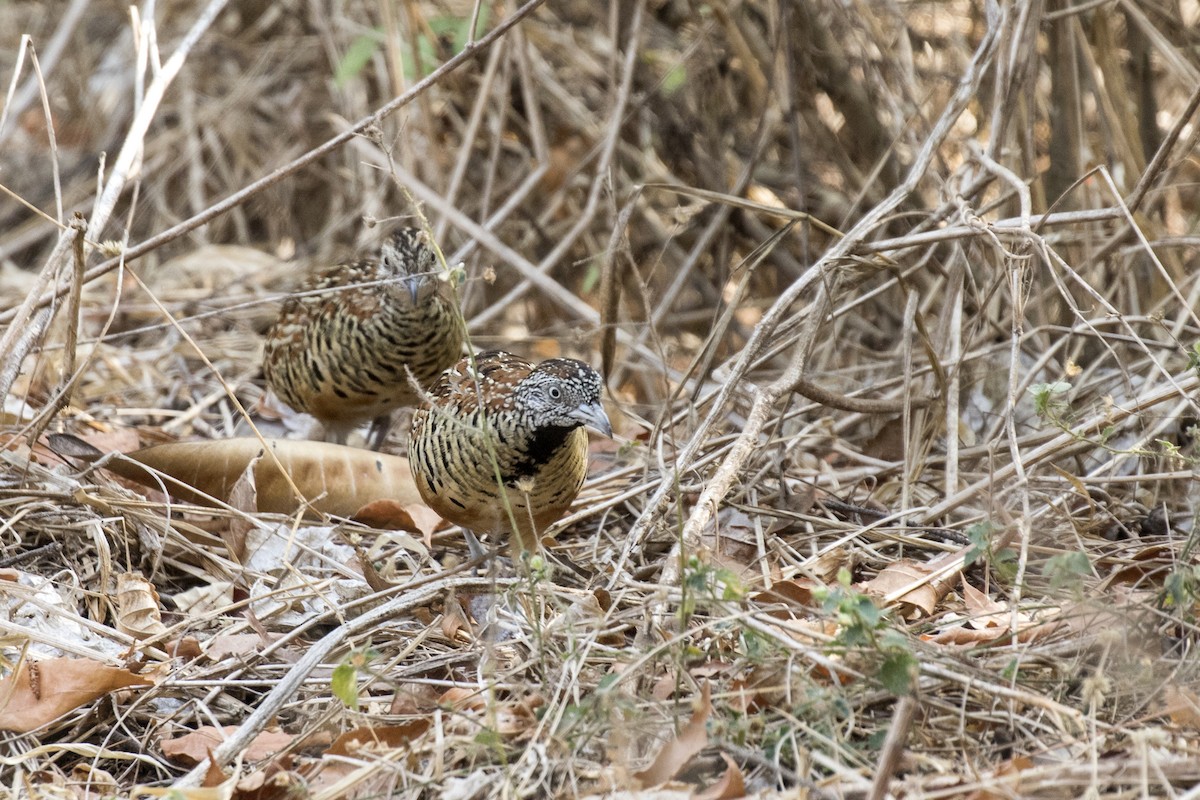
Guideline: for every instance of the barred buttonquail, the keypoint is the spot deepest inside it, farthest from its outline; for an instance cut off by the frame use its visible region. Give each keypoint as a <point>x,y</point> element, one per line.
<point>344,347</point>
<point>502,428</point>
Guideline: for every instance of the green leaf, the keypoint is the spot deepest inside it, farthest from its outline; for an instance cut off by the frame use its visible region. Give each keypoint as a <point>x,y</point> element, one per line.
<point>1047,397</point>
<point>344,684</point>
<point>674,80</point>
<point>1065,569</point>
<point>980,535</point>
<point>899,671</point>
<point>358,55</point>
<point>591,277</point>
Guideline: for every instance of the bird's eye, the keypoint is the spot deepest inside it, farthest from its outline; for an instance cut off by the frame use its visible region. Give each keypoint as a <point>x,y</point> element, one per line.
<point>554,392</point>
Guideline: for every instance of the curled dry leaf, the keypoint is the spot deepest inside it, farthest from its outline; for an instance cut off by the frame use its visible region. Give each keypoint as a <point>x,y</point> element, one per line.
<point>41,691</point>
<point>795,595</point>
<point>334,479</point>
<point>912,586</point>
<point>677,752</point>
<point>413,518</point>
<point>138,612</point>
<point>243,497</point>
<point>730,786</point>
<point>382,737</point>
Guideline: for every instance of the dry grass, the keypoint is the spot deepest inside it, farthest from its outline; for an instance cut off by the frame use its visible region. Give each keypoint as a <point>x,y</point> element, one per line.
<point>756,216</point>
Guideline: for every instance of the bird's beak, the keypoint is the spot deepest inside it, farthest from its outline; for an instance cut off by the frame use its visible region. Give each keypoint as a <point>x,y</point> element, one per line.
<point>414,288</point>
<point>592,415</point>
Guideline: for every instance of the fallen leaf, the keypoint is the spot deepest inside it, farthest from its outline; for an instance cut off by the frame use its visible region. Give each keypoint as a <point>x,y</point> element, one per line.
<point>910,585</point>
<point>986,612</point>
<point>391,515</point>
<point>243,497</point>
<point>1007,788</point>
<point>138,612</point>
<point>194,747</point>
<point>335,479</point>
<point>186,647</point>
<point>677,752</point>
<point>1182,706</point>
<point>730,786</point>
<point>382,737</point>
<point>236,644</point>
<point>795,594</point>
<point>42,691</point>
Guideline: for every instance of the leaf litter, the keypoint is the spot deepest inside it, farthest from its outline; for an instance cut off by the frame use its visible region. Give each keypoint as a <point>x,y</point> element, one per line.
<point>759,563</point>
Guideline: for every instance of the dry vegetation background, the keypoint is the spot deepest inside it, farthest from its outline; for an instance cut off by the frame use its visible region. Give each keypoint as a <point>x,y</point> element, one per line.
<point>895,303</point>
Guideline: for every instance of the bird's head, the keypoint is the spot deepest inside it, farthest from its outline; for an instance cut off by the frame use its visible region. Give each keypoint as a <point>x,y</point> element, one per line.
<point>409,255</point>
<point>564,393</point>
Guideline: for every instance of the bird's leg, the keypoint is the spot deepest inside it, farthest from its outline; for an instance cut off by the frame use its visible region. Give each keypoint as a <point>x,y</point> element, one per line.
<point>377,434</point>
<point>473,546</point>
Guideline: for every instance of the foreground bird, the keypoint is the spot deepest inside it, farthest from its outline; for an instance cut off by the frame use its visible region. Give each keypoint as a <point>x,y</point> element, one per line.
<point>499,446</point>
<point>347,347</point>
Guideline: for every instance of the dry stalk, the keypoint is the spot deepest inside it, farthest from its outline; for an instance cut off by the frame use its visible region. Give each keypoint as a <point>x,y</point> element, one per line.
<point>718,487</point>
<point>414,594</point>
<point>241,196</point>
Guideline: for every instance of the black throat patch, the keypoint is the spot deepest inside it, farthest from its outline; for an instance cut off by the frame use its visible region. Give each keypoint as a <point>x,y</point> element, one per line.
<point>545,442</point>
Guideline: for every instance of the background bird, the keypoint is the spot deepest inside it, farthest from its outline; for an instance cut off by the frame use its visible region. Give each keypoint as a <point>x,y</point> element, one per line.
<point>348,346</point>
<point>499,446</point>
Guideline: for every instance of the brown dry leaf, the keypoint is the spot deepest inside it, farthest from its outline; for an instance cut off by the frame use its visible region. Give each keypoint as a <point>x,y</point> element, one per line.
<point>1008,788</point>
<point>42,691</point>
<point>907,583</point>
<point>278,780</point>
<point>1033,631</point>
<point>677,752</point>
<point>665,686</point>
<point>985,612</point>
<point>413,698</point>
<point>192,748</point>
<point>733,543</point>
<point>508,718</point>
<point>338,480</point>
<point>186,647</point>
<point>390,515</point>
<point>795,594</point>
<point>454,619</point>
<point>383,737</point>
<point>138,612</point>
<point>462,699</point>
<point>89,781</point>
<point>1148,565</point>
<point>1182,706</point>
<point>730,786</point>
<point>826,566</point>
<point>243,497</point>
<point>236,644</point>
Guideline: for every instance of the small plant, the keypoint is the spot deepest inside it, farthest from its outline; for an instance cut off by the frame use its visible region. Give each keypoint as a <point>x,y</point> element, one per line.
<point>705,582</point>
<point>1067,570</point>
<point>1003,561</point>
<point>1181,589</point>
<point>865,625</point>
<point>1194,358</point>
<point>344,681</point>
<point>1049,400</point>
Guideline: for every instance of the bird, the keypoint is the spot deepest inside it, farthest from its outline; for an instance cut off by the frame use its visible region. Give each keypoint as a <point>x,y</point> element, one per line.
<point>499,447</point>
<point>347,348</point>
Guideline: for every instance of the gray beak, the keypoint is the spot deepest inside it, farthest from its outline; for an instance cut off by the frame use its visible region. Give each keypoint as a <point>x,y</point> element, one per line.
<point>414,287</point>
<point>592,415</point>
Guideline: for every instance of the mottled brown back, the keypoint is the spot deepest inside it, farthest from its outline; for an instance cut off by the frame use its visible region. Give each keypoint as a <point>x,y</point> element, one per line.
<point>344,347</point>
